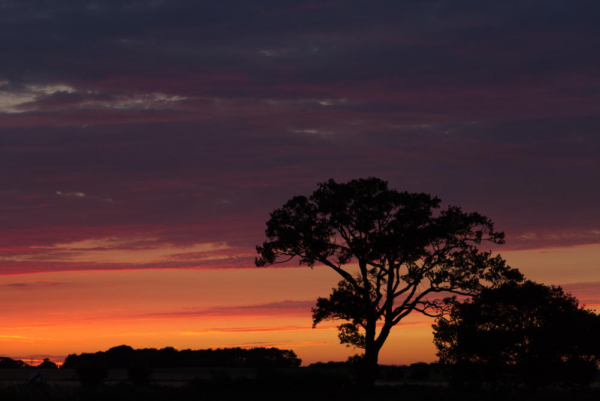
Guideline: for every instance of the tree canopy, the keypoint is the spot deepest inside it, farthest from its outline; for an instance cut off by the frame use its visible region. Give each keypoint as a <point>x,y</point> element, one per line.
<point>528,334</point>
<point>47,364</point>
<point>396,252</point>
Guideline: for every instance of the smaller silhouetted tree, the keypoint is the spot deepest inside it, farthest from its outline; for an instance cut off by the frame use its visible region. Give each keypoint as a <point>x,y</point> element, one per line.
<point>528,334</point>
<point>47,364</point>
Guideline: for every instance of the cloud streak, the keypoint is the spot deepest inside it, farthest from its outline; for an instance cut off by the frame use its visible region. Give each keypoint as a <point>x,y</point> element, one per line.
<point>282,308</point>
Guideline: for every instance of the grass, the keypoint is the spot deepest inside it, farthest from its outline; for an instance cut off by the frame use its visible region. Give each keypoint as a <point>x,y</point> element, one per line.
<point>225,388</point>
<point>235,384</point>
<point>195,391</point>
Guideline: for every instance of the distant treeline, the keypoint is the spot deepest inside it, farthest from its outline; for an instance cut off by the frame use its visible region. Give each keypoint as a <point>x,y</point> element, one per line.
<point>124,356</point>
<point>9,363</point>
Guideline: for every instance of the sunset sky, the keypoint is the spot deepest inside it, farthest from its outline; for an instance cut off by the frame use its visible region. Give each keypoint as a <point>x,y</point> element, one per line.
<point>144,143</point>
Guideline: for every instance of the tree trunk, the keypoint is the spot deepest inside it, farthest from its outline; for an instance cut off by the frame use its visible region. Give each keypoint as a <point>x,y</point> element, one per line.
<point>367,370</point>
<point>369,366</point>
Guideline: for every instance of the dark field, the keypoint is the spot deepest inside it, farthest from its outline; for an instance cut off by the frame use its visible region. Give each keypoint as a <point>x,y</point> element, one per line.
<point>163,377</point>
<point>235,384</point>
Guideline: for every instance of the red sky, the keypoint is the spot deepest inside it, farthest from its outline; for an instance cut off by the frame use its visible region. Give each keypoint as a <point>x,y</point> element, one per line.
<point>142,147</point>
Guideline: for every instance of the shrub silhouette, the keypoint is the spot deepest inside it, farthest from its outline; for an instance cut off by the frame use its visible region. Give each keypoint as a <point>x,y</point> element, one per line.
<point>139,375</point>
<point>392,372</point>
<point>91,376</point>
<point>420,371</point>
<point>529,334</point>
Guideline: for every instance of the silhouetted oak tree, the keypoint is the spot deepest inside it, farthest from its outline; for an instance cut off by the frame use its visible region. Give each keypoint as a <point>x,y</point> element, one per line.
<point>528,334</point>
<point>394,254</point>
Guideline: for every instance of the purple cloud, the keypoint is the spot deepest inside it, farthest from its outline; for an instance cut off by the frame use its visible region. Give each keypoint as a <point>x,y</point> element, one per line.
<point>182,123</point>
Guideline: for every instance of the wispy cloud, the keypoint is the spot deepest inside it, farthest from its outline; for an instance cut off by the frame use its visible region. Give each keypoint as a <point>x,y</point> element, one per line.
<point>212,331</point>
<point>13,99</point>
<point>235,330</point>
<point>282,308</point>
<point>279,344</point>
<point>15,337</point>
<point>122,253</point>
<point>33,284</point>
<point>58,98</point>
<point>71,194</point>
<point>588,293</point>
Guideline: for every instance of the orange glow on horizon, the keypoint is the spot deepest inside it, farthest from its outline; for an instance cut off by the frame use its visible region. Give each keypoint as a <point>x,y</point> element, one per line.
<point>56,314</point>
